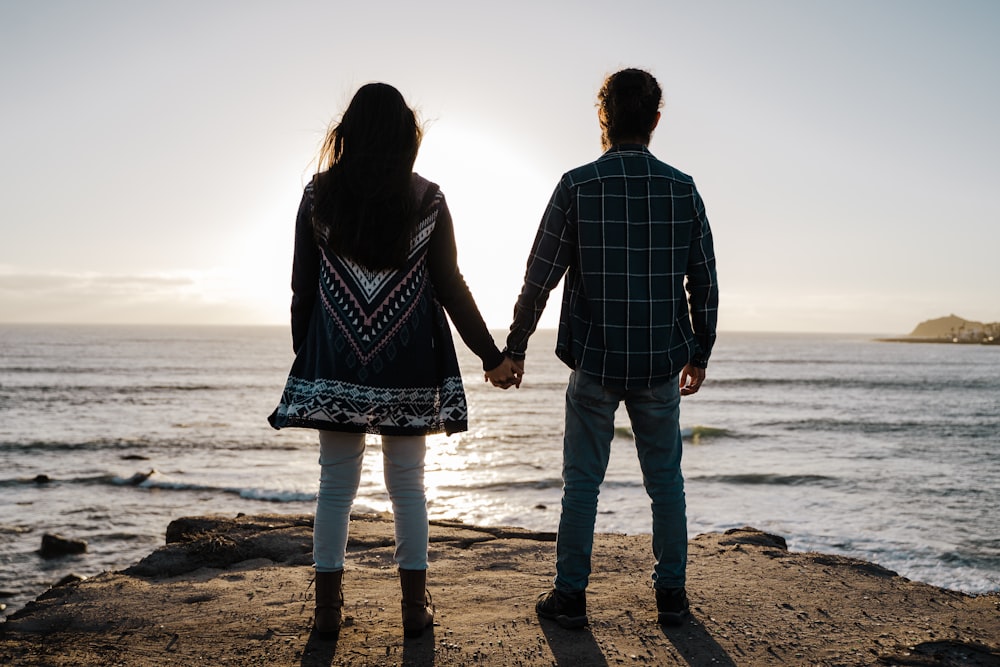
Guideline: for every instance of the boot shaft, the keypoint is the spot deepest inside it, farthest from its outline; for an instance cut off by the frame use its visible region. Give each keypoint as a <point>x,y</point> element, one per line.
<point>418,613</point>
<point>329,602</point>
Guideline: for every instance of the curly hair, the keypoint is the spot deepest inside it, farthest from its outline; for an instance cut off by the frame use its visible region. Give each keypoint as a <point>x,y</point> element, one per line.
<point>629,101</point>
<point>363,207</point>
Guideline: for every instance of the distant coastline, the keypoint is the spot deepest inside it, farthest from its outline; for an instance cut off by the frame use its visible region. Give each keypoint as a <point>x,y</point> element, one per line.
<point>951,330</point>
<point>944,341</point>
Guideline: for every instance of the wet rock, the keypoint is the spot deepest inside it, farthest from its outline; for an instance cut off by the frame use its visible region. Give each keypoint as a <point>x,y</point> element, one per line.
<point>42,479</point>
<point>748,535</point>
<point>139,478</point>
<point>220,542</point>
<point>54,546</point>
<point>70,578</point>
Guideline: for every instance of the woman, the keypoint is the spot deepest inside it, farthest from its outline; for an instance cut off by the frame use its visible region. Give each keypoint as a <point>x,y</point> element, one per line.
<point>374,271</point>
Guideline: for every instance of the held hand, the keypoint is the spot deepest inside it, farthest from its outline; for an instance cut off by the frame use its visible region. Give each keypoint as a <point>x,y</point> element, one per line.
<point>504,376</point>
<point>691,379</point>
<point>518,367</point>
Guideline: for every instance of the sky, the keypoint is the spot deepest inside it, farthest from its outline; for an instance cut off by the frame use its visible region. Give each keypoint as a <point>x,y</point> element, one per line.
<point>153,154</point>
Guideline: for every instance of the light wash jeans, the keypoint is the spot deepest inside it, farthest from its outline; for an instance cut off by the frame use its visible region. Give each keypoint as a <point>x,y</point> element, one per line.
<point>590,428</point>
<point>340,459</point>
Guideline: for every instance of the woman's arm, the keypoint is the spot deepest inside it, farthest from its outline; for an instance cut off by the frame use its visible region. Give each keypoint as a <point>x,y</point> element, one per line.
<point>453,293</point>
<point>305,271</point>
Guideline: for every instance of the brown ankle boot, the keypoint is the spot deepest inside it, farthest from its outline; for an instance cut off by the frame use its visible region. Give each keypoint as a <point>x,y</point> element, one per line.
<point>329,602</point>
<point>418,612</point>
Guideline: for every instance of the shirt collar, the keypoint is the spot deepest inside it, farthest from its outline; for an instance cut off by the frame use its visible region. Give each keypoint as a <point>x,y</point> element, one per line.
<point>621,148</point>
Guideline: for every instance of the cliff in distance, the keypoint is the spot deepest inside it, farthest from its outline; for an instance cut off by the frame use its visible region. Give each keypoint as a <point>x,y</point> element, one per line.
<point>957,329</point>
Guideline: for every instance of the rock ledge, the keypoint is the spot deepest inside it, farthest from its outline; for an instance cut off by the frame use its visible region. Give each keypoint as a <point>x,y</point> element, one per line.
<point>238,591</point>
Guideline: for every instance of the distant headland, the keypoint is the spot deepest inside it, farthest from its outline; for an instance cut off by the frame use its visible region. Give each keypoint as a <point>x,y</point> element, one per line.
<point>952,329</point>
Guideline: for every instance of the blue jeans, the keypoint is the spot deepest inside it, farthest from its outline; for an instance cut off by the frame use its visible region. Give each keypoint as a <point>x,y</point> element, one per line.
<point>590,428</point>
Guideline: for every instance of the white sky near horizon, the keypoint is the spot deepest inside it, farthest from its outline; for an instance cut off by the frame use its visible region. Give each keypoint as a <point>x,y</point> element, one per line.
<point>152,154</point>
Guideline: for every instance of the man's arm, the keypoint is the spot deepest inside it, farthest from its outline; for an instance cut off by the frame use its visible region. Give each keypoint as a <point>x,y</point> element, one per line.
<point>550,256</point>
<point>702,286</point>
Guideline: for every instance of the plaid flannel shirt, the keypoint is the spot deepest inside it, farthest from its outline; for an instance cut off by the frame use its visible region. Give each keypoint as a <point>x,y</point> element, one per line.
<point>641,295</point>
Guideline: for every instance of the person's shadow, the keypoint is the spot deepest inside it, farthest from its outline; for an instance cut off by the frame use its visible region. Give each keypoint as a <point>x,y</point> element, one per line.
<point>321,651</point>
<point>572,648</point>
<point>696,645</point>
<point>419,652</point>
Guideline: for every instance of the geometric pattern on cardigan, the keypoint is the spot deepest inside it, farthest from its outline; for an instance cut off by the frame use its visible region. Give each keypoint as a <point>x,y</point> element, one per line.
<point>369,307</point>
<point>375,409</point>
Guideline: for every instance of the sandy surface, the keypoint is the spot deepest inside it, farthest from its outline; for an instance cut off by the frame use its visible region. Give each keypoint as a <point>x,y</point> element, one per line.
<point>239,592</point>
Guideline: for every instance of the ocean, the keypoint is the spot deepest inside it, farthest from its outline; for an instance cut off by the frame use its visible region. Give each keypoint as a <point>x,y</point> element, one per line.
<point>841,444</point>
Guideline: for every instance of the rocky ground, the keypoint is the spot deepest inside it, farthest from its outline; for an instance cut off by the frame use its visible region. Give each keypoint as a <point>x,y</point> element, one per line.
<point>239,592</point>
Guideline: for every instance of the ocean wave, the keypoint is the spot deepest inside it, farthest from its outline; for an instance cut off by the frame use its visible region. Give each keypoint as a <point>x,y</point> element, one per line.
<point>150,479</point>
<point>97,391</point>
<point>62,370</point>
<point>147,448</point>
<point>137,479</point>
<point>536,485</point>
<point>14,530</point>
<point>267,495</point>
<point>118,536</point>
<point>534,383</point>
<point>900,366</point>
<point>695,434</point>
<point>530,435</point>
<point>768,478</point>
<point>45,480</point>
<point>918,385</point>
<point>273,496</point>
<point>964,431</point>
<point>200,424</point>
<point>15,482</point>
<point>70,446</point>
<point>969,567</point>
<point>531,484</point>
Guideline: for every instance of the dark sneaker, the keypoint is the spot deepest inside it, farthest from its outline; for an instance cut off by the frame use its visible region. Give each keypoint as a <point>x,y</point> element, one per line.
<point>567,609</point>
<point>671,606</point>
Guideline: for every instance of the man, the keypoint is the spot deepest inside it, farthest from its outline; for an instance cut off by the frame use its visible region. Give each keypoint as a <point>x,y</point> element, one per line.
<point>637,326</point>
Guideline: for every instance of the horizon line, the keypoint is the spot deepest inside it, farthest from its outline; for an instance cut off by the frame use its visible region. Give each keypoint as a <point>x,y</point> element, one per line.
<point>263,325</point>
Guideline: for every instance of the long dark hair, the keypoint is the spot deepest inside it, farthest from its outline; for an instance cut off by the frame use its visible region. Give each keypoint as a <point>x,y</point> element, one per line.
<point>363,208</point>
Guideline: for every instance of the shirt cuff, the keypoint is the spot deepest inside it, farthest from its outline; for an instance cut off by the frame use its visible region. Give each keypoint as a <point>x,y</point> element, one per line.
<point>516,356</point>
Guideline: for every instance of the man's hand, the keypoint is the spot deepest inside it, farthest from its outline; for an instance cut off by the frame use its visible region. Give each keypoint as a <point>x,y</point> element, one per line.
<point>518,370</point>
<point>505,376</point>
<point>691,379</point>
